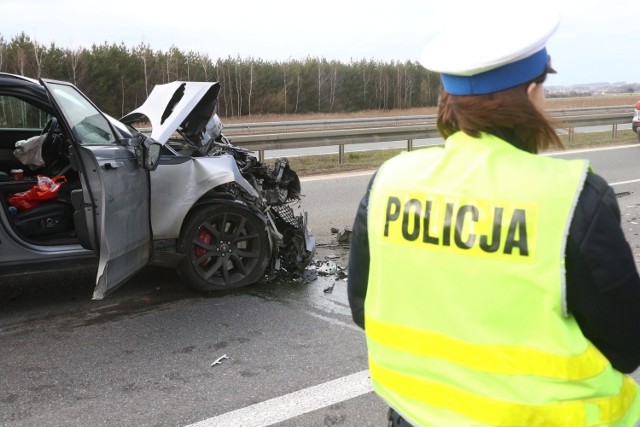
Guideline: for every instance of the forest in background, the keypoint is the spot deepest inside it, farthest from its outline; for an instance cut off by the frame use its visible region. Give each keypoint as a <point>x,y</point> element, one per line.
<point>119,78</point>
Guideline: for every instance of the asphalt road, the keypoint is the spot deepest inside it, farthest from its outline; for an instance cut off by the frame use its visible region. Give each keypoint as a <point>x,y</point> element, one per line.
<point>144,355</point>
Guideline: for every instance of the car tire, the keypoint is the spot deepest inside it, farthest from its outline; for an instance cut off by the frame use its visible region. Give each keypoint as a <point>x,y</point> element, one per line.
<point>224,247</point>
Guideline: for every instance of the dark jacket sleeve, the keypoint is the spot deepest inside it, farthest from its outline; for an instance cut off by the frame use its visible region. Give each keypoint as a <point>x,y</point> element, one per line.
<point>358,276</point>
<point>603,287</point>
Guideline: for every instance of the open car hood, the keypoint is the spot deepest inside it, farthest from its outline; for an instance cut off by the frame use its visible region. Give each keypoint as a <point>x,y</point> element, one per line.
<point>184,106</point>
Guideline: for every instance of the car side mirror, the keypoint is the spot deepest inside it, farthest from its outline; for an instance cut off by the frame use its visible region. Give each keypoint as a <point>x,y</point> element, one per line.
<point>152,154</point>
<point>147,152</point>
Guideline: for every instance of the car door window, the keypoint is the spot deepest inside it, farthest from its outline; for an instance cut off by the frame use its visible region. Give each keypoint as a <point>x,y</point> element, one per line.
<point>18,114</point>
<point>88,125</point>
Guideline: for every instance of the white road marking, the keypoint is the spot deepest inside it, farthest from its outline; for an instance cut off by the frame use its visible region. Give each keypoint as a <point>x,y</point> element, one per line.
<point>337,175</point>
<point>294,404</point>
<point>624,182</point>
<point>587,150</point>
<point>335,321</point>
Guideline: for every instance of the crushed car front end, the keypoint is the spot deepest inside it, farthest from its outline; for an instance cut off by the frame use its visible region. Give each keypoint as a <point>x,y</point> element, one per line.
<point>224,217</point>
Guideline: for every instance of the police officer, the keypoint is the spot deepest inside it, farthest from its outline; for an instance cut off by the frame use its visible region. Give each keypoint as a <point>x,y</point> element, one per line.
<point>495,285</point>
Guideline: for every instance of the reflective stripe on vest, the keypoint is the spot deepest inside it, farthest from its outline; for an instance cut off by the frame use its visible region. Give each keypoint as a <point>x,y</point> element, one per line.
<point>465,312</point>
<point>508,360</point>
<point>500,413</point>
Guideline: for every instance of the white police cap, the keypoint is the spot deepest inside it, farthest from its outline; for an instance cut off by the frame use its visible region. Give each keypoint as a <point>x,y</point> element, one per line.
<point>491,48</point>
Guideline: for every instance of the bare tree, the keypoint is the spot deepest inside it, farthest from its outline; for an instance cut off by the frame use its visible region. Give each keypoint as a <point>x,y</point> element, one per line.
<point>398,89</point>
<point>2,47</point>
<point>429,93</point>
<point>190,55</point>
<point>382,89</point>
<point>220,77</point>
<point>333,84</point>
<point>298,87</point>
<point>250,84</point>
<point>122,88</point>
<point>143,52</point>
<point>205,62</point>
<point>366,78</point>
<point>229,85</point>
<point>408,88</point>
<point>321,80</point>
<point>73,60</point>
<point>285,84</point>
<point>38,53</point>
<point>22,61</point>
<point>238,76</point>
<point>167,61</point>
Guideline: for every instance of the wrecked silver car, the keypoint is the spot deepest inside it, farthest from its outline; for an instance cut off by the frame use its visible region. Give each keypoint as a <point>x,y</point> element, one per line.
<point>180,195</point>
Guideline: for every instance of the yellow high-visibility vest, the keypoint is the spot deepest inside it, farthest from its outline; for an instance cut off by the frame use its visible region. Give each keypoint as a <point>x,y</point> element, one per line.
<point>465,313</point>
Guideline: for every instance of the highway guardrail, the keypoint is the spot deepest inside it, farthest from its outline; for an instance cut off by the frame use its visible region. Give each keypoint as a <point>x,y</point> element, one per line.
<point>388,129</point>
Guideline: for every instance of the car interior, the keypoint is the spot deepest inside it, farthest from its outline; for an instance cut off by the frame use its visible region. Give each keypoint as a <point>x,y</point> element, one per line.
<point>52,221</point>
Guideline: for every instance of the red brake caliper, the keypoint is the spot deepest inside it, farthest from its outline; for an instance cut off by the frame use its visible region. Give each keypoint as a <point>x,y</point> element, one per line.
<point>205,237</point>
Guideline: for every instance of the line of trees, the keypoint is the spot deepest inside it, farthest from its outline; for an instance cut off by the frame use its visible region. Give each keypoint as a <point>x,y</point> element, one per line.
<point>119,78</point>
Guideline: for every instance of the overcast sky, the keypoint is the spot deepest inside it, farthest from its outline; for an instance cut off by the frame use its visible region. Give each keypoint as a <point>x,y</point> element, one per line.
<point>597,40</point>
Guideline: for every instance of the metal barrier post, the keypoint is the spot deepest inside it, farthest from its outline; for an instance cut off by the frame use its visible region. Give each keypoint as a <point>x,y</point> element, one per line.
<point>409,144</point>
<point>614,131</point>
<point>341,154</point>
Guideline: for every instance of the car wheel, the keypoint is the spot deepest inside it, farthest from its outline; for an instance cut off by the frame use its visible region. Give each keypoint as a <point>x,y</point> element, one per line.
<point>225,247</point>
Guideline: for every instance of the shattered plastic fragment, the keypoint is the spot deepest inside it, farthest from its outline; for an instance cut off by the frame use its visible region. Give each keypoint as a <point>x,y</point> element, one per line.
<point>344,236</point>
<point>309,276</point>
<point>218,361</point>
<point>341,274</point>
<point>327,268</point>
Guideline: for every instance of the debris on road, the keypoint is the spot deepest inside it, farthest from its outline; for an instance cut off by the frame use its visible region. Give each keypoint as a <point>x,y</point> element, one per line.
<point>328,268</point>
<point>218,361</point>
<point>344,236</point>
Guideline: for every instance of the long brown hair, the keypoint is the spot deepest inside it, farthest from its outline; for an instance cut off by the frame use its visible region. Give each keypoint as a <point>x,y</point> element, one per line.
<point>508,114</point>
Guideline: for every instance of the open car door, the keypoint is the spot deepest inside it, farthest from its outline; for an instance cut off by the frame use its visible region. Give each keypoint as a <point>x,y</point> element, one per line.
<point>114,207</point>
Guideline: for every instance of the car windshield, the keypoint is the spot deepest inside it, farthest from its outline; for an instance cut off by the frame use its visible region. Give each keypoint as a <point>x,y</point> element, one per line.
<point>88,125</point>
